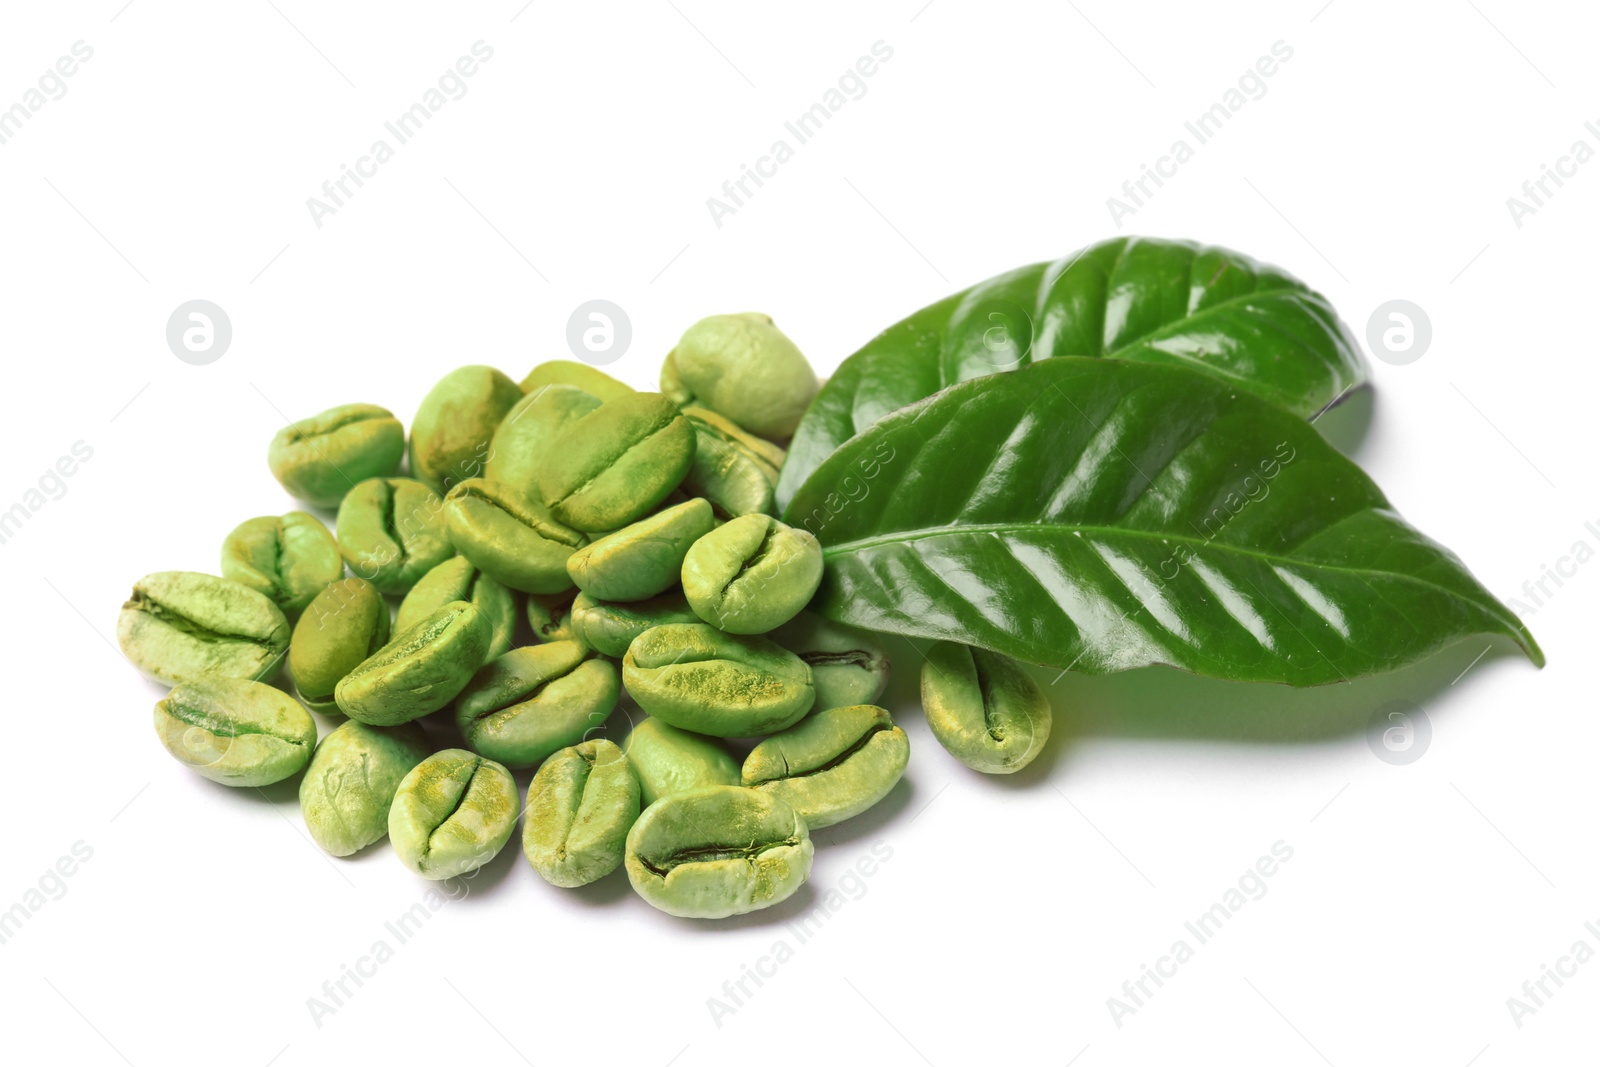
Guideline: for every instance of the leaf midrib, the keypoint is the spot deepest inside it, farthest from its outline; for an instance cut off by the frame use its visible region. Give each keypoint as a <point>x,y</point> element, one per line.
<point>1123,531</point>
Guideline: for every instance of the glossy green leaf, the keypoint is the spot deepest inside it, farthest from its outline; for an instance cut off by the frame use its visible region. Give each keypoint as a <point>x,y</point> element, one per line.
<point>1149,301</point>
<point>1102,515</point>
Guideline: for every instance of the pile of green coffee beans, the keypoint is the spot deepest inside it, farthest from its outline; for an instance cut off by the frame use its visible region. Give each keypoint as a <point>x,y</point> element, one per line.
<point>634,533</point>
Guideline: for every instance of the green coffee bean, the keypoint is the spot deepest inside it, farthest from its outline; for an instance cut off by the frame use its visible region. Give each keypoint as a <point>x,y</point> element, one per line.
<point>550,616</point>
<point>452,813</point>
<point>610,628</point>
<point>743,367</point>
<point>522,443</point>
<point>832,764</point>
<point>581,805</point>
<point>511,536</point>
<point>752,574</point>
<point>984,708</point>
<point>322,458</point>
<point>641,559</point>
<point>455,422</point>
<point>736,471</point>
<point>579,375</point>
<point>615,464</point>
<point>418,672</point>
<point>669,761</point>
<point>178,626</point>
<point>697,678</point>
<point>392,532</point>
<point>457,579</point>
<point>768,453</point>
<point>848,666</point>
<point>347,790</point>
<point>717,852</point>
<point>287,558</point>
<point>346,623</point>
<point>531,701</point>
<point>236,732</point>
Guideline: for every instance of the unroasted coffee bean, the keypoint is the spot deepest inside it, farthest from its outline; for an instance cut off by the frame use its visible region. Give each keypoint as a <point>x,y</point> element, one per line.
<point>345,624</point>
<point>531,701</point>
<point>848,666</point>
<point>179,626</point>
<point>418,672</point>
<point>581,805</point>
<point>743,367</point>
<point>615,464</point>
<point>736,471</point>
<point>511,536</point>
<point>235,731</point>
<point>550,616</point>
<point>609,628</point>
<point>452,813</point>
<point>701,679</point>
<point>832,764</point>
<point>524,441</point>
<point>392,531</point>
<point>347,790</point>
<point>457,579</point>
<point>669,760</point>
<point>752,574</point>
<point>322,458</point>
<point>455,423</point>
<point>984,708</point>
<point>287,558</point>
<point>642,559</point>
<point>579,375</point>
<point>720,851</point>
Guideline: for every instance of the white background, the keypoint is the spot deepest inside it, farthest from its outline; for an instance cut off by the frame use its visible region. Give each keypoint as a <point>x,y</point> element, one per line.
<point>577,166</point>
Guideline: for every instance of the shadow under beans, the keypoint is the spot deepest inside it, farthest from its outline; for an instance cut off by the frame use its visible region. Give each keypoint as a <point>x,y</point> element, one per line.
<point>441,730</point>
<point>1346,423</point>
<point>1161,702</point>
<point>487,880</point>
<point>284,792</point>
<point>870,823</point>
<point>601,893</point>
<point>905,673</point>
